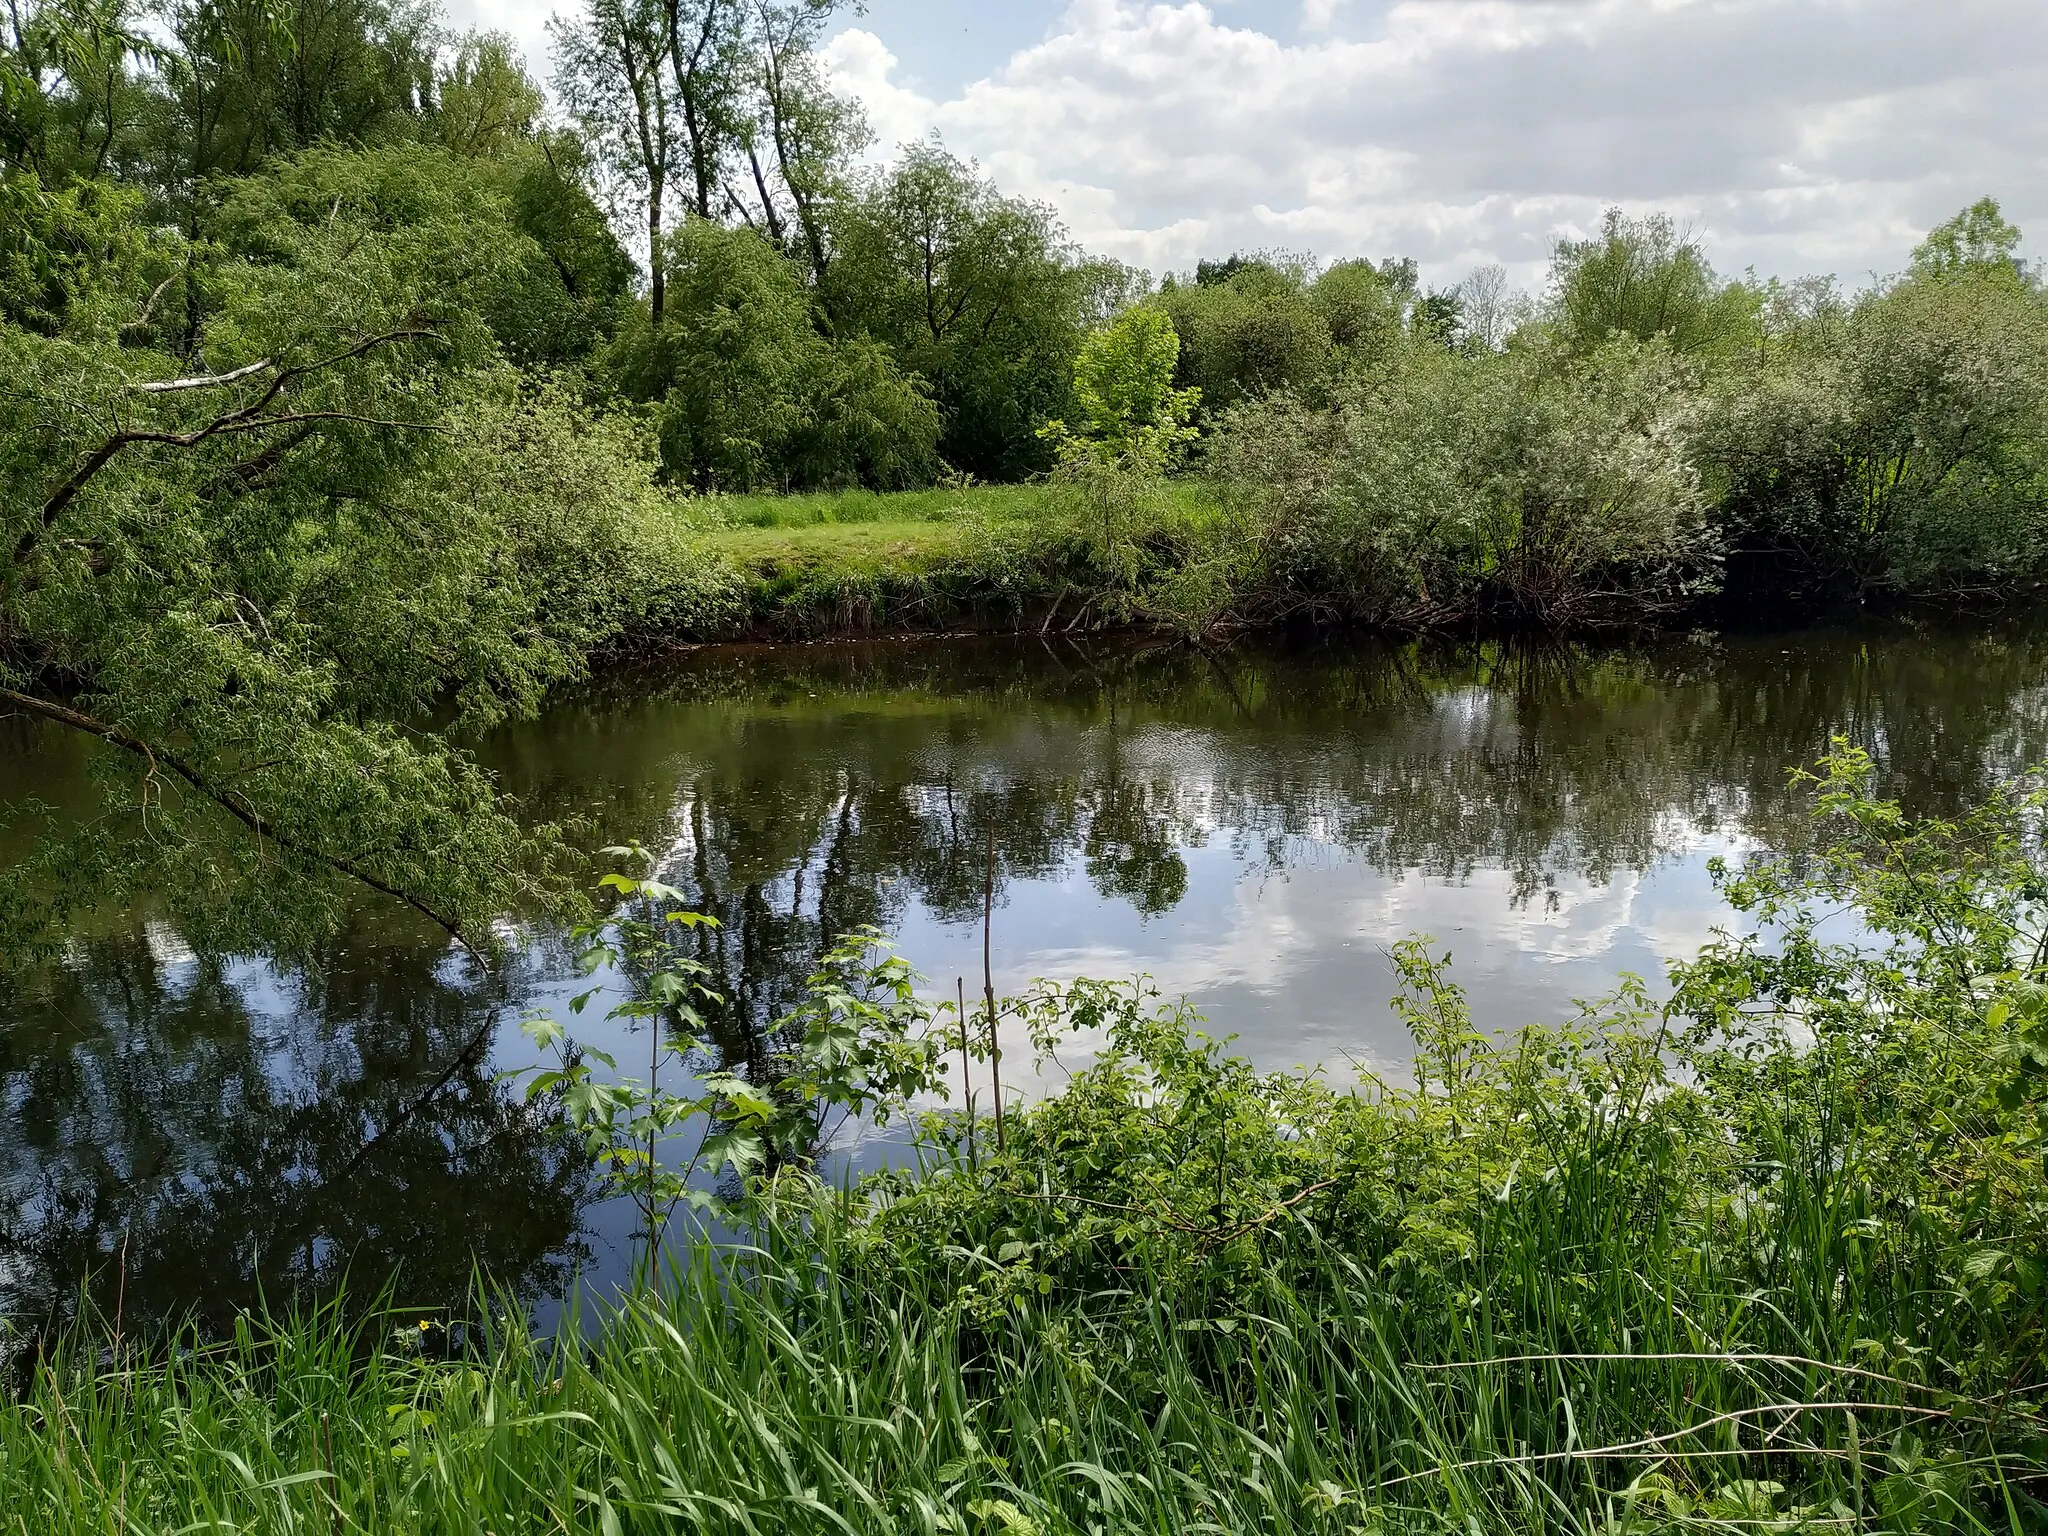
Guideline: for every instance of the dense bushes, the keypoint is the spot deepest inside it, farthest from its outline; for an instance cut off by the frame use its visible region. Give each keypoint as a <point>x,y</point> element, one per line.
<point>1516,483</point>
<point>751,394</point>
<point>1647,425</point>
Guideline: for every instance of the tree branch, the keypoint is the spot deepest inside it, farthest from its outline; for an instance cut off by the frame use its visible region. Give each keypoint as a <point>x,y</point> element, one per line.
<point>202,380</point>
<point>247,815</point>
<point>243,418</point>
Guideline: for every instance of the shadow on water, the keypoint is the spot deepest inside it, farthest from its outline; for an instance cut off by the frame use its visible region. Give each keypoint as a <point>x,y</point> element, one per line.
<point>190,1129</point>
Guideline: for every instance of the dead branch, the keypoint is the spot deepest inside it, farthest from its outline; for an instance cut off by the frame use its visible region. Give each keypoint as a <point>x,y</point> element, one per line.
<point>204,380</point>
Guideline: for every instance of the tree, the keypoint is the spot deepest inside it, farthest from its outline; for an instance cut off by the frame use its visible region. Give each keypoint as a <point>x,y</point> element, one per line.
<point>486,105</point>
<point>68,96</point>
<point>809,135</point>
<point>1643,278</point>
<point>1899,442</point>
<point>254,571</point>
<point>1252,328</point>
<point>751,394</point>
<point>1131,415</point>
<point>1491,308</point>
<point>1362,311</point>
<point>1977,241</point>
<point>612,73</point>
<point>981,295</point>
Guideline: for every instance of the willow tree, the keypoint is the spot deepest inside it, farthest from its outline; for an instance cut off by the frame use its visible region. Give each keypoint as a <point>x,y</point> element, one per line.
<point>253,571</point>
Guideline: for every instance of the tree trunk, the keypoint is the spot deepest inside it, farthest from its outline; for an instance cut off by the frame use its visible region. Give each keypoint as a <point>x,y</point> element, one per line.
<point>658,281</point>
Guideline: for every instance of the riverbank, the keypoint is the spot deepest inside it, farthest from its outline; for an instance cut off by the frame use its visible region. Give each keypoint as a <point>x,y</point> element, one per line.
<point>1769,1259</point>
<point>1175,556</point>
<point>996,558</point>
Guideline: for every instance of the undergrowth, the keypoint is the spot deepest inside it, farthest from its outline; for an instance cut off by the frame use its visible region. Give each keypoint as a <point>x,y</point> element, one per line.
<point>1769,1257</point>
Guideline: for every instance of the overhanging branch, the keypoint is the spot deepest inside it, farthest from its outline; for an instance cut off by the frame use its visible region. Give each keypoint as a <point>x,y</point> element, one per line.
<point>248,417</point>
<point>246,814</point>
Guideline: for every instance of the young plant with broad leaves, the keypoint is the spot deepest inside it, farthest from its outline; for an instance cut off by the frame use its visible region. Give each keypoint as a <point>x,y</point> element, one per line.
<point>861,1045</point>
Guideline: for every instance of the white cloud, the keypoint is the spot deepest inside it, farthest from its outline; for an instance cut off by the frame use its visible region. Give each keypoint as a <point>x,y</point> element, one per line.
<point>859,64</point>
<point>1794,134</point>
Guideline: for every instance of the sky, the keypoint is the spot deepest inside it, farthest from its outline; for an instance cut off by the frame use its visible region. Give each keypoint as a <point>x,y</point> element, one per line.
<point>1790,136</point>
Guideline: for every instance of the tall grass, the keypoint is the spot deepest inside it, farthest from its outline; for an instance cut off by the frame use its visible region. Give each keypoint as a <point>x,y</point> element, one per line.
<point>767,1393</point>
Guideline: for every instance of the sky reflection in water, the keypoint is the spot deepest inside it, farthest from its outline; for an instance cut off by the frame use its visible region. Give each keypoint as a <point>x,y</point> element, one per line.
<point>1253,830</point>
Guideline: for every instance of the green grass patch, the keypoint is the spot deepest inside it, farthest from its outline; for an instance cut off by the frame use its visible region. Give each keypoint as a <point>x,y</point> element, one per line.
<point>986,556</point>
<point>814,509</point>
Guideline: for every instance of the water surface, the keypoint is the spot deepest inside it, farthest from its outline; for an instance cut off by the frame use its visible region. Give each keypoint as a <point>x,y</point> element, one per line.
<point>1252,828</point>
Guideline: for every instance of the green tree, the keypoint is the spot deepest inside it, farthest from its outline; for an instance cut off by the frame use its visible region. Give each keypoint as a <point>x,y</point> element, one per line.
<point>1131,415</point>
<point>256,571</point>
<point>611,72</point>
<point>751,394</point>
<point>983,296</point>
<point>1252,327</point>
<point>486,107</point>
<point>1900,442</point>
<point>69,99</point>
<point>1978,242</point>
<point>1643,278</point>
<point>1361,310</point>
<point>798,139</point>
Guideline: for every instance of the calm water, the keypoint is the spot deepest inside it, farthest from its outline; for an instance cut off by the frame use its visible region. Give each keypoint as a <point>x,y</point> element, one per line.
<point>1253,829</point>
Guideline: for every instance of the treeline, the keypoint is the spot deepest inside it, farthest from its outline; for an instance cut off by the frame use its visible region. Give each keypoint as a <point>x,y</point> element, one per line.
<point>348,387</point>
<point>1645,433</point>
<point>699,237</point>
<point>784,317</point>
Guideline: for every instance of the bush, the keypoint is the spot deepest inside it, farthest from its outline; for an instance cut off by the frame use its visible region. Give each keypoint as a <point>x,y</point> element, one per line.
<point>1524,483</point>
<point>1901,444</point>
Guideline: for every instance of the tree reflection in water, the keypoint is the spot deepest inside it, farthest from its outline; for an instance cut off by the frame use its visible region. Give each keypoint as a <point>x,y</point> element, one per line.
<point>183,1134</point>
<point>221,1118</point>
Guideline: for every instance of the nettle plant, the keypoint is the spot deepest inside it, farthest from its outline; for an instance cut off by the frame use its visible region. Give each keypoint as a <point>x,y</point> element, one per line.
<point>859,1044</point>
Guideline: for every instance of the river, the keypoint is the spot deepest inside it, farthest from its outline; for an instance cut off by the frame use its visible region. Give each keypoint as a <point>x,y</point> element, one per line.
<point>1252,827</point>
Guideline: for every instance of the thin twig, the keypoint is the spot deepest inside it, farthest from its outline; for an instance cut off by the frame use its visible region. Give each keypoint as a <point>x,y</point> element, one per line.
<point>1725,1358</point>
<point>1654,1442</point>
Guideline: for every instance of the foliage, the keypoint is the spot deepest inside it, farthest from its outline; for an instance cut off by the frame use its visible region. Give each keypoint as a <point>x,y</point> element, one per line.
<point>1767,1257</point>
<point>1517,482</point>
<point>1896,443</point>
<point>861,1043</point>
<point>983,296</point>
<point>1247,332</point>
<point>1643,278</point>
<point>1978,240</point>
<point>1131,415</point>
<point>253,569</point>
<point>752,395</point>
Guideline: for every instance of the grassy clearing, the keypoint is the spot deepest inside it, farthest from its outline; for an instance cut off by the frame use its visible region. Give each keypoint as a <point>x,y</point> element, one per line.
<point>989,556</point>
<point>816,508</point>
<point>1769,1260</point>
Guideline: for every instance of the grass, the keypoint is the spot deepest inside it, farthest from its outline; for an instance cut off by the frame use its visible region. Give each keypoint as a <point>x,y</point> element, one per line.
<point>993,556</point>
<point>793,1403</point>
<point>814,509</point>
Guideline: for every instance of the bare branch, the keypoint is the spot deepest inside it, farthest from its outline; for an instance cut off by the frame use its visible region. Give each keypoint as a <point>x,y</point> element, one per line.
<point>204,380</point>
